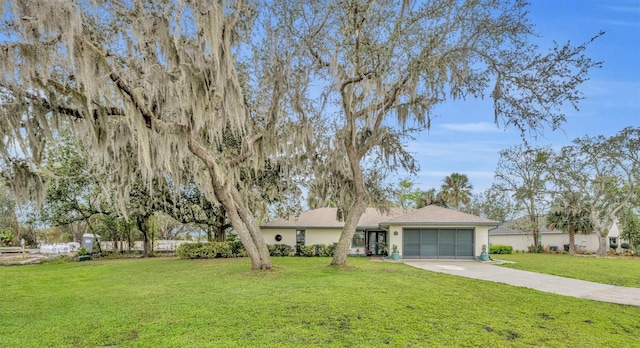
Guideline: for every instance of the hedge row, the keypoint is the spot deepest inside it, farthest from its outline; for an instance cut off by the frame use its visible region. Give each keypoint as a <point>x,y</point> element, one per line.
<point>211,250</point>
<point>316,250</point>
<point>500,249</point>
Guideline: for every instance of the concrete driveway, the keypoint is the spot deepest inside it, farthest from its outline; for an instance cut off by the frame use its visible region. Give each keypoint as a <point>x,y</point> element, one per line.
<point>538,281</point>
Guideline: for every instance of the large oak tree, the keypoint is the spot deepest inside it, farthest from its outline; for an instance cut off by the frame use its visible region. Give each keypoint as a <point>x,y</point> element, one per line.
<point>151,87</point>
<point>382,66</point>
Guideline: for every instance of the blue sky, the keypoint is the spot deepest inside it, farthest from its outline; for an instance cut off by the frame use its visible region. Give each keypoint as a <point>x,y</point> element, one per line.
<point>463,137</point>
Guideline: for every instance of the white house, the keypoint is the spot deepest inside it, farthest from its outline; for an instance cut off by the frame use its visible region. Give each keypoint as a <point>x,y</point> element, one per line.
<point>508,234</point>
<point>428,233</point>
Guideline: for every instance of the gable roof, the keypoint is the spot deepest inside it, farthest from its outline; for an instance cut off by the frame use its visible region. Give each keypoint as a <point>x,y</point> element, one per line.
<point>510,227</point>
<point>372,218</point>
<point>434,215</point>
<point>328,218</point>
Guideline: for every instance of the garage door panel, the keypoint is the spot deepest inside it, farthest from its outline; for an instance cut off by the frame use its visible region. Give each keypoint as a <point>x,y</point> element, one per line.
<point>464,250</point>
<point>411,243</point>
<point>438,243</point>
<point>464,236</point>
<point>447,250</point>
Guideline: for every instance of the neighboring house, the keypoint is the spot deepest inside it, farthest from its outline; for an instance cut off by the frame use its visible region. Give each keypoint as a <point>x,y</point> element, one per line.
<point>508,234</point>
<point>428,233</point>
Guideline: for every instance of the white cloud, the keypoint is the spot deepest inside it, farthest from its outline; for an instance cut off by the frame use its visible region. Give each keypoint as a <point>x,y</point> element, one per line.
<point>472,127</point>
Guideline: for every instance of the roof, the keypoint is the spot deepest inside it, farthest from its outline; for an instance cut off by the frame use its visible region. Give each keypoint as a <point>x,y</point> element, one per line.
<point>510,227</point>
<point>372,218</point>
<point>435,215</point>
<point>328,218</point>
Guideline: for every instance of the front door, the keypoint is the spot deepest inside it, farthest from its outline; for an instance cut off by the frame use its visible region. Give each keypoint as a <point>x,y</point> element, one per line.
<point>377,242</point>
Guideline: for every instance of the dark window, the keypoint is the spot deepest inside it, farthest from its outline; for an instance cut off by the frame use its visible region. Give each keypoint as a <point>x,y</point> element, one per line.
<point>300,237</point>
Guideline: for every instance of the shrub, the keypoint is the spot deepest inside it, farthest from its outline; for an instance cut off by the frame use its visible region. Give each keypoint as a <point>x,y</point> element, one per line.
<point>533,249</point>
<point>281,250</point>
<point>305,250</point>
<point>500,249</point>
<point>6,237</point>
<point>624,245</point>
<point>208,250</point>
<point>613,246</point>
<point>325,250</point>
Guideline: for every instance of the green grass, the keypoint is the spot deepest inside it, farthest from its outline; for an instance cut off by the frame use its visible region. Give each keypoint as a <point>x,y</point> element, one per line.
<point>614,271</point>
<point>303,302</point>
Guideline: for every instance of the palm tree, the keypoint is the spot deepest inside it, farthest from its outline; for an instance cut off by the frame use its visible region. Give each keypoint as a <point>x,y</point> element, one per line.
<point>570,215</point>
<point>456,189</point>
<point>430,197</point>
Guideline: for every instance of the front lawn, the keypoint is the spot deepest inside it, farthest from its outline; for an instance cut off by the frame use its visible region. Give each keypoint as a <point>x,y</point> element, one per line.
<point>606,270</point>
<point>304,302</point>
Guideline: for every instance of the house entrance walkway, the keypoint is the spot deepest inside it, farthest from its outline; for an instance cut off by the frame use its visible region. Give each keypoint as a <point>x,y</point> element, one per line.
<point>538,281</point>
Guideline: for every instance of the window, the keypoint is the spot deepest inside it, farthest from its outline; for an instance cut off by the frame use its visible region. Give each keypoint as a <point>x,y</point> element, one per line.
<point>358,240</point>
<point>300,237</point>
<point>613,240</point>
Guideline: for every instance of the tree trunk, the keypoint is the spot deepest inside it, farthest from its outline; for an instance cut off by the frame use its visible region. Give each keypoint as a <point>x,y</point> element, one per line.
<point>572,239</point>
<point>240,217</point>
<point>240,227</point>
<point>146,240</point>
<point>220,233</point>
<point>252,226</point>
<point>603,245</point>
<point>350,225</point>
<point>359,203</point>
<point>210,233</point>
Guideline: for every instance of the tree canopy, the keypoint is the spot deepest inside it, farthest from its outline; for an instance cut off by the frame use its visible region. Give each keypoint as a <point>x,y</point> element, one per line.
<point>218,89</point>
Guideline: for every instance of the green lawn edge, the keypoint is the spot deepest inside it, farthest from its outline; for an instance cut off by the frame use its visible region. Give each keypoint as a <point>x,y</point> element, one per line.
<point>302,302</point>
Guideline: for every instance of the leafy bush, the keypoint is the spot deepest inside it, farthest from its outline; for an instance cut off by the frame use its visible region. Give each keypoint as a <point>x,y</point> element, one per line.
<point>281,250</point>
<point>82,251</point>
<point>535,249</point>
<point>208,250</point>
<point>237,249</point>
<point>325,250</point>
<point>6,237</point>
<point>624,245</point>
<point>613,246</point>
<point>305,250</point>
<point>500,249</point>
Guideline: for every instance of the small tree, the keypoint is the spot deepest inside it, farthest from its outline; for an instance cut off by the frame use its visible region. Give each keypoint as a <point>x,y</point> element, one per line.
<point>522,173</point>
<point>493,204</point>
<point>569,214</point>
<point>630,228</point>
<point>605,172</point>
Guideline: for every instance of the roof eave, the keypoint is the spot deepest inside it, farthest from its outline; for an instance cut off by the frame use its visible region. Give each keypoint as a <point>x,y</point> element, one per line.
<point>439,224</point>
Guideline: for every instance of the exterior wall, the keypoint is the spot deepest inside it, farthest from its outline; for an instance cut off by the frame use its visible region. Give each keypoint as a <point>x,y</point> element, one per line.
<point>322,236</point>
<point>480,236</point>
<point>312,235</point>
<point>588,242</point>
<point>518,241</point>
<point>288,235</point>
<point>394,237</point>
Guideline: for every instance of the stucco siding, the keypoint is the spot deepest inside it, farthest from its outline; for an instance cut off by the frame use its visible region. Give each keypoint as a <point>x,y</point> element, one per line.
<point>288,236</point>
<point>322,236</point>
<point>312,235</point>
<point>522,242</point>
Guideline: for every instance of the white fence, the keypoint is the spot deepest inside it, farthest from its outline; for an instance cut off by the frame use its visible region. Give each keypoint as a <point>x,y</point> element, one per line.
<point>158,245</point>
